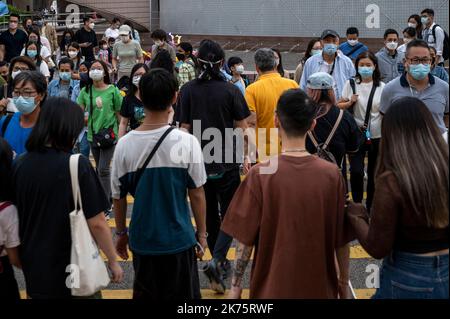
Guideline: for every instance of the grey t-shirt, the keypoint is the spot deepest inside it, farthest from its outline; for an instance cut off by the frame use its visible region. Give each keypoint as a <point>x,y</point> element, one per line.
<point>167,47</point>
<point>127,53</point>
<point>435,97</point>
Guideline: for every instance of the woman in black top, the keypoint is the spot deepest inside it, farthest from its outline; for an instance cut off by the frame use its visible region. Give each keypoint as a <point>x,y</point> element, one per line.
<point>132,110</point>
<point>43,195</point>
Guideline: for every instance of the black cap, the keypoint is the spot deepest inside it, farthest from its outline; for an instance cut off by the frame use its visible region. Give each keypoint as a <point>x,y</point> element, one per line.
<point>328,33</point>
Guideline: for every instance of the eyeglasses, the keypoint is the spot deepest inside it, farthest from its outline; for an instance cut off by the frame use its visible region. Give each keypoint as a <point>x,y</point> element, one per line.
<point>425,60</point>
<point>17,68</point>
<point>24,93</point>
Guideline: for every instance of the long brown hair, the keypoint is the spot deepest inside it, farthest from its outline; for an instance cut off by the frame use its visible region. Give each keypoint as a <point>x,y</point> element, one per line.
<point>412,147</point>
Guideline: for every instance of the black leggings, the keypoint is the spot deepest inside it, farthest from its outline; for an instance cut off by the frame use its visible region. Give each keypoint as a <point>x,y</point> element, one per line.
<point>357,172</point>
<point>8,284</point>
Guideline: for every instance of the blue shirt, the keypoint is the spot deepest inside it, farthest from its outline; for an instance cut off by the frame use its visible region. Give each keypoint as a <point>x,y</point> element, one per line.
<point>54,88</point>
<point>15,135</point>
<point>343,71</point>
<point>391,66</point>
<point>240,85</point>
<point>346,48</point>
<point>440,73</point>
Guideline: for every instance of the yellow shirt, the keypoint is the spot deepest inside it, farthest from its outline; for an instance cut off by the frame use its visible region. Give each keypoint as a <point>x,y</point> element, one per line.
<point>262,98</point>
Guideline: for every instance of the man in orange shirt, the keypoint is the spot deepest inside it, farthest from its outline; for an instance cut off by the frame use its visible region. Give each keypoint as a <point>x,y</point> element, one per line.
<point>262,98</point>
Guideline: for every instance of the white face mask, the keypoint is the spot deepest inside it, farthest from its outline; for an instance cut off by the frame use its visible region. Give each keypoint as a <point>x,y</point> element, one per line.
<point>15,73</point>
<point>96,75</point>
<point>406,40</point>
<point>412,25</point>
<point>73,54</point>
<point>136,80</point>
<point>392,45</point>
<point>91,26</point>
<point>240,69</point>
<point>125,38</point>
<point>159,43</point>
<point>352,42</point>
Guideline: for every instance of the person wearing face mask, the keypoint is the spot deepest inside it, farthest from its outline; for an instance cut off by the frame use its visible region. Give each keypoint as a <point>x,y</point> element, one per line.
<point>66,39</point>
<point>31,51</point>
<point>132,111</point>
<point>364,93</point>
<point>353,48</point>
<point>87,39</point>
<point>159,37</point>
<point>419,83</point>
<point>414,21</point>
<point>435,36</point>
<point>74,54</point>
<point>409,34</point>
<point>390,60</point>
<point>113,30</point>
<point>103,52</point>
<point>331,61</point>
<point>437,70</point>
<point>103,102</point>
<point>63,87</point>
<point>236,66</point>
<point>17,65</point>
<point>314,48</point>
<point>126,53</point>
<point>29,93</point>
<point>187,63</point>
<point>35,37</point>
<point>12,40</point>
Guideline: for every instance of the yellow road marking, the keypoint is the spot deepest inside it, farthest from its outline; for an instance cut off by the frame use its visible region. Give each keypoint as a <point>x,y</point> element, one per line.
<point>206,294</point>
<point>356,252</point>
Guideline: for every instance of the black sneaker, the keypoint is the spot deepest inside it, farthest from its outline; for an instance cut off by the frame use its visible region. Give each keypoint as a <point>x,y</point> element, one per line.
<point>215,277</point>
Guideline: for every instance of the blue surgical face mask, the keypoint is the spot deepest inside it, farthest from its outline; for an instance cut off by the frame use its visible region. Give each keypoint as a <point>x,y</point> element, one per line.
<point>25,105</point>
<point>316,52</point>
<point>32,53</point>
<point>330,48</point>
<point>65,76</point>
<point>365,71</point>
<point>424,20</point>
<point>419,71</point>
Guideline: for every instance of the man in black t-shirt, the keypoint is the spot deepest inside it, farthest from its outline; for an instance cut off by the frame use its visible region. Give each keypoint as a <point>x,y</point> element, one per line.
<point>12,40</point>
<point>87,39</point>
<point>215,104</point>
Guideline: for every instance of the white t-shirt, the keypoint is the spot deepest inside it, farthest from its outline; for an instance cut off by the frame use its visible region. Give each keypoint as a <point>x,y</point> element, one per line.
<point>45,52</point>
<point>445,136</point>
<point>44,69</point>
<point>111,33</point>
<point>46,43</point>
<point>363,90</point>
<point>9,228</point>
<point>402,48</point>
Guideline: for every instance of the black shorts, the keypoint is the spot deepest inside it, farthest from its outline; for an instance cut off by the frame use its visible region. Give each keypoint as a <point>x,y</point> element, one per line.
<point>166,277</point>
<point>8,284</point>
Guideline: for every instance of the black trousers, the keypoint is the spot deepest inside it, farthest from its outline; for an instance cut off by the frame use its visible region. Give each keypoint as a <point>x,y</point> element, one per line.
<point>357,172</point>
<point>219,193</point>
<point>166,277</point>
<point>8,284</point>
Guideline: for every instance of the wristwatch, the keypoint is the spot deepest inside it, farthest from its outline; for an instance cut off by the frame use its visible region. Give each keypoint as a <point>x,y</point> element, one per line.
<point>123,232</point>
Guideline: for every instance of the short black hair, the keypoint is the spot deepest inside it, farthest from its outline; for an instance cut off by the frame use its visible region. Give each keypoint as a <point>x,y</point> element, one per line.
<point>15,15</point>
<point>234,60</point>
<point>159,34</point>
<point>6,161</point>
<point>417,43</point>
<point>36,78</point>
<point>115,20</point>
<point>157,89</point>
<point>296,112</point>
<point>390,31</point>
<point>162,60</point>
<point>20,59</point>
<point>353,30</point>
<point>59,124</point>
<point>412,32</point>
<point>86,19</point>
<point>66,60</point>
<point>428,11</point>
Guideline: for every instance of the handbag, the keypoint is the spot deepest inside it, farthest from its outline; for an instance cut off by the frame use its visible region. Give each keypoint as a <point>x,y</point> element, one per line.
<point>88,271</point>
<point>105,138</point>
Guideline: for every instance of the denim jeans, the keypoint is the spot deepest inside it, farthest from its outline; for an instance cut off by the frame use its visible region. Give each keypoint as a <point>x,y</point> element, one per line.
<point>83,146</point>
<point>409,276</point>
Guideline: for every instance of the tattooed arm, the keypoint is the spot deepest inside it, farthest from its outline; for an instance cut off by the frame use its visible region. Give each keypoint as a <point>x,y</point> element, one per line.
<point>243,254</point>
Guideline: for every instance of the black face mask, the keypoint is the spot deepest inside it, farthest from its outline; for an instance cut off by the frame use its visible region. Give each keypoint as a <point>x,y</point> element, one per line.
<point>181,56</point>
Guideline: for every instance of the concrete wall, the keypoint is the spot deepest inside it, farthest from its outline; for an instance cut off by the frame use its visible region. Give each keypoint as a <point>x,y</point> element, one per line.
<point>288,18</point>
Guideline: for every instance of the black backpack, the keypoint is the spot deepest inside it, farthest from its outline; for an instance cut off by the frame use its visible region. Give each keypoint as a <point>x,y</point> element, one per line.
<point>445,53</point>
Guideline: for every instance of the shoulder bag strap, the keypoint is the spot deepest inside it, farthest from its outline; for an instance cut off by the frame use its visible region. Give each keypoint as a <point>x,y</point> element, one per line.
<point>356,48</point>
<point>353,85</point>
<point>74,160</point>
<point>369,106</point>
<point>313,139</point>
<point>333,131</point>
<point>91,110</point>
<point>152,153</point>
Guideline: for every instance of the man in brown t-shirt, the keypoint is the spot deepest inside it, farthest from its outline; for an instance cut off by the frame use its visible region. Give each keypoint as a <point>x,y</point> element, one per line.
<point>294,217</point>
